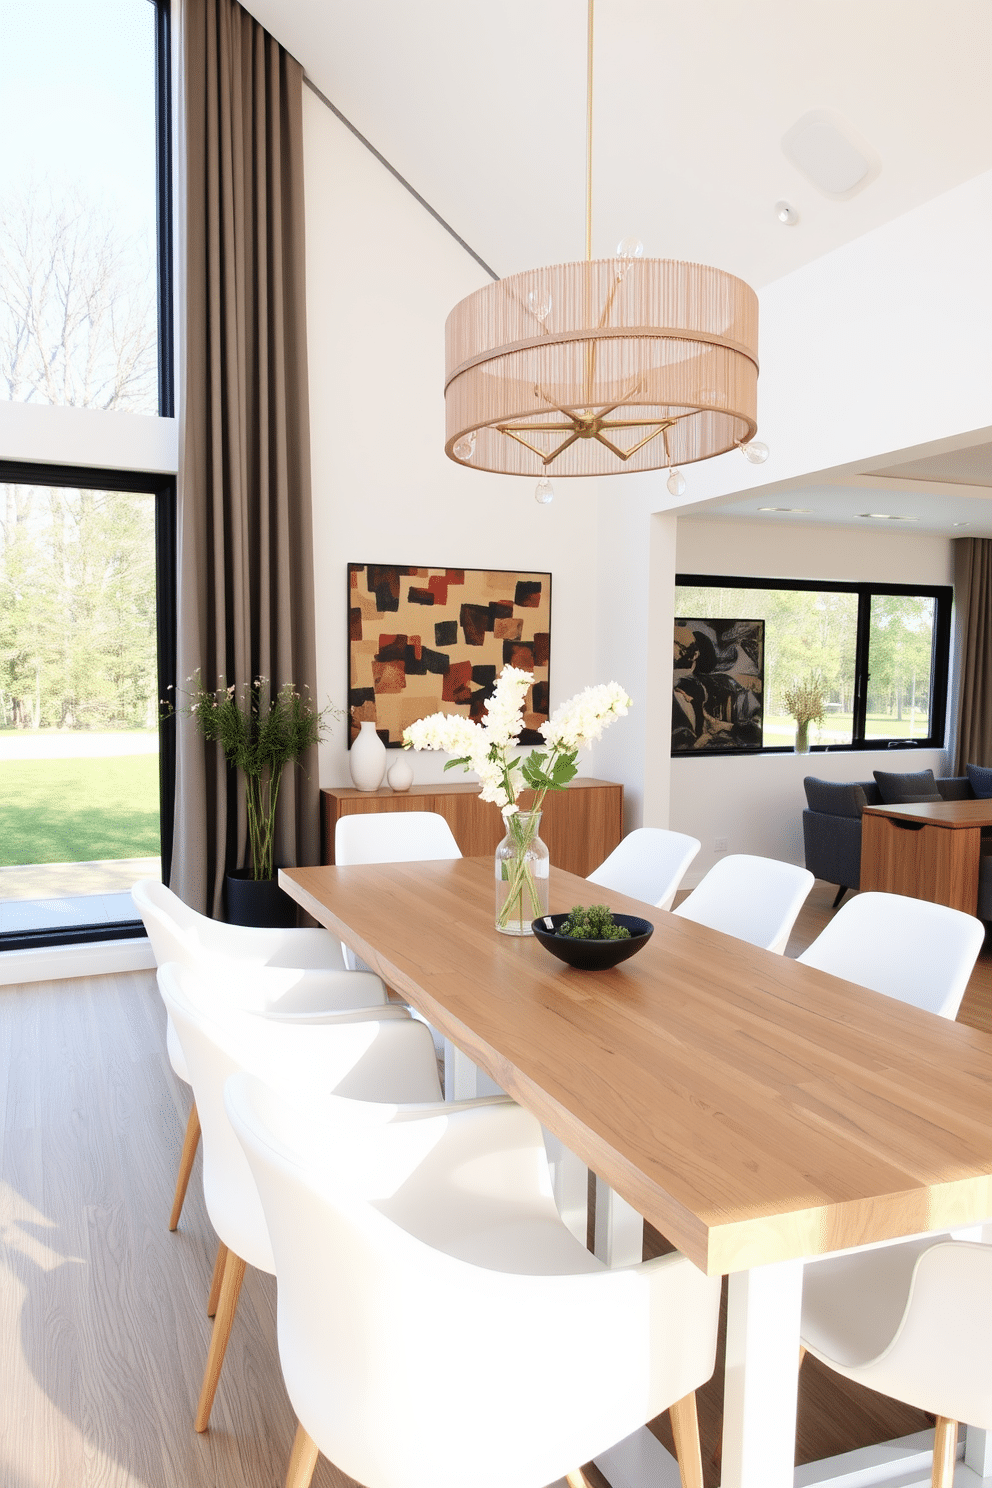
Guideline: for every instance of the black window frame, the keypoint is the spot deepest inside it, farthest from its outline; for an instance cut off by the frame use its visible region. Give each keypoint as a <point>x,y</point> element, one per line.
<point>943,597</point>
<point>163,487</point>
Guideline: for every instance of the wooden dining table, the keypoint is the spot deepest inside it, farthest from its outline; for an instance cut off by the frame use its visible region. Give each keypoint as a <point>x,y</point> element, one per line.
<point>756,1111</point>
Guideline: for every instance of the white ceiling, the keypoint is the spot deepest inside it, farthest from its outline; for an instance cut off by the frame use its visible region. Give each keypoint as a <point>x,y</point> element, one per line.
<point>482,109</point>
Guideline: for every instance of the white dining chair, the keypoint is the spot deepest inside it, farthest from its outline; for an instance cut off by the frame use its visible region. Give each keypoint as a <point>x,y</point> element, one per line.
<point>390,837</point>
<point>393,837</point>
<point>753,899</point>
<point>178,933</point>
<point>911,1320</point>
<point>380,1055</point>
<point>649,864</point>
<point>439,1215</point>
<point>910,949</point>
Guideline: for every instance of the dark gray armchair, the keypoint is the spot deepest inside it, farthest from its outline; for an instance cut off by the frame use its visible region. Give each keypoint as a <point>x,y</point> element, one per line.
<point>832,831</point>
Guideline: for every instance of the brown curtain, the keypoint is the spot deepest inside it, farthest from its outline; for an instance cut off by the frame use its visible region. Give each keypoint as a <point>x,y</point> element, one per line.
<point>245,539</point>
<point>973,607</point>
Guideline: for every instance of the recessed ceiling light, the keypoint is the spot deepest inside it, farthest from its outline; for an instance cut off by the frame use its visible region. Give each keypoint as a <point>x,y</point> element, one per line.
<point>886,517</point>
<point>803,511</point>
<point>960,524</point>
<point>786,212</point>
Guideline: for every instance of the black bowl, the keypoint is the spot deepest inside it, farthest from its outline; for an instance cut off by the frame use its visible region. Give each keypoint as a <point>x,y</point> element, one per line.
<point>592,955</point>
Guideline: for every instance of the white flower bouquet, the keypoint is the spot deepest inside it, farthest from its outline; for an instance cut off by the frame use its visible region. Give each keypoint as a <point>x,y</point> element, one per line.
<point>489,748</point>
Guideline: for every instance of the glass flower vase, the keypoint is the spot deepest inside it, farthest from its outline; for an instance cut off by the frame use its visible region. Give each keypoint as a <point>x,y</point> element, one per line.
<point>802,737</point>
<point>522,869</point>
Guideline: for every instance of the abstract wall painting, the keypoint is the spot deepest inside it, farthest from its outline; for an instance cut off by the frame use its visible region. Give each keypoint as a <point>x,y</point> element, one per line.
<point>718,685</point>
<point>433,640</point>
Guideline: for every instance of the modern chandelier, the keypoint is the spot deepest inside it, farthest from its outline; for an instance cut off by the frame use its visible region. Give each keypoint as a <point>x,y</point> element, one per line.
<point>602,367</point>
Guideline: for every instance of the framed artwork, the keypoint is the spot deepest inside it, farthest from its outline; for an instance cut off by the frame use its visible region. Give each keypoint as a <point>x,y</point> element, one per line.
<point>433,640</point>
<point>719,675</point>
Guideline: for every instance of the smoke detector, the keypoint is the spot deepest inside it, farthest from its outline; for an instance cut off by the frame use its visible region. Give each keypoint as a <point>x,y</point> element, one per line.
<point>830,154</point>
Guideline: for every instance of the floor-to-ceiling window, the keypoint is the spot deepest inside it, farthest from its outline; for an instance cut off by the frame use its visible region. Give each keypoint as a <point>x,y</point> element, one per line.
<point>86,555</point>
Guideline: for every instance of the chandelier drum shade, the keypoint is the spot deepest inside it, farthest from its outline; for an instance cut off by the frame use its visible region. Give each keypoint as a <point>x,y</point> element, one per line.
<point>593,368</point>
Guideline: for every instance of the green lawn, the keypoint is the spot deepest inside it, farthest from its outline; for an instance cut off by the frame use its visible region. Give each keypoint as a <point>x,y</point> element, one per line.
<point>836,729</point>
<point>78,810</point>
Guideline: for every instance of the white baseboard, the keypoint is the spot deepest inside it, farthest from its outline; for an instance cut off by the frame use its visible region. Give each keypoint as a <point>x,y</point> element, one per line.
<point>57,963</point>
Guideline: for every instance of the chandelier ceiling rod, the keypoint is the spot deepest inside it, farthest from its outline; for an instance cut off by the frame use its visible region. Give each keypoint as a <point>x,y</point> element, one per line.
<point>589,33</point>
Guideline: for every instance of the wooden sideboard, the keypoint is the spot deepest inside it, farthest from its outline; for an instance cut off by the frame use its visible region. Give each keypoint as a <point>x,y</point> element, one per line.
<point>581,824</point>
<point>926,850</point>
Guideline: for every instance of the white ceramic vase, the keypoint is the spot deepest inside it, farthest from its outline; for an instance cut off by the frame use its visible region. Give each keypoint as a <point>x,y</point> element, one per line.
<point>367,760</point>
<point>400,774</point>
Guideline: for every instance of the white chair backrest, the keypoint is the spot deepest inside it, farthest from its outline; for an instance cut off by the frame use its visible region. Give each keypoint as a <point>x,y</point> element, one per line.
<point>178,933</point>
<point>753,899</point>
<point>352,1056</point>
<point>919,952</point>
<point>573,1358</point>
<point>648,864</point>
<point>393,837</point>
<point>911,1320</point>
<point>169,924</point>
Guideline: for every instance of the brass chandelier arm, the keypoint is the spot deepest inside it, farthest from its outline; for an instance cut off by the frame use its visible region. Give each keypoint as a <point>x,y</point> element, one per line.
<point>544,459</point>
<point>626,454</point>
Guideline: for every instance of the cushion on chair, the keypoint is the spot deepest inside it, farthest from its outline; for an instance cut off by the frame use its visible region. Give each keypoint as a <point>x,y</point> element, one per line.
<point>906,790</point>
<point>980,779</point>
<point>835,798</point>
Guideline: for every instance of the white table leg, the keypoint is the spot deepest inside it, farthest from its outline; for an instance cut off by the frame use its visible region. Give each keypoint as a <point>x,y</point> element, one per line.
<point>619,1237</point>
<point>978,1450</point>
<point>570,1181</point>
<point>762,1376</point>
<point>463,1079</point>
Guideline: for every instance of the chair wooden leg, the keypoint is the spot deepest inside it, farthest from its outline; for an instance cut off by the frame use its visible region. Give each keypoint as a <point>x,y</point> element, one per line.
<point>945,1446</point>
<point>230,1288</point>
<point>302,1460</point>
<point>685,1429</point>
<point>190,1143</point>
<point>577,1479</point>
<point>216,1279</point>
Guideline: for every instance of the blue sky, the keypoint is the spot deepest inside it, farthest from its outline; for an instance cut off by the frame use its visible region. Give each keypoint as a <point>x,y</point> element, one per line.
<point>77,100</point>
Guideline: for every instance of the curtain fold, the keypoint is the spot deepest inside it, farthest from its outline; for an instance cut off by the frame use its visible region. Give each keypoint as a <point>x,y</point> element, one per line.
<point>245,602</point>
<point>973,606</point>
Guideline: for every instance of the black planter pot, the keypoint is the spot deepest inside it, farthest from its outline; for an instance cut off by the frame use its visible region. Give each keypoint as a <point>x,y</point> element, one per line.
<point>258,902</point>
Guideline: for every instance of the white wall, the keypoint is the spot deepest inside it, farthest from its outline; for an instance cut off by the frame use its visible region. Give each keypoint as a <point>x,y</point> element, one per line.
<point>756,801</point>
<point>381,279</point>
<point>776,549</point>
<point>876,348</point>
<point>90,437</point>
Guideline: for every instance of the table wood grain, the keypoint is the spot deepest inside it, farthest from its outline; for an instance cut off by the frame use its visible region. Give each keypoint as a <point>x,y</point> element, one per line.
<point>753,1109</point>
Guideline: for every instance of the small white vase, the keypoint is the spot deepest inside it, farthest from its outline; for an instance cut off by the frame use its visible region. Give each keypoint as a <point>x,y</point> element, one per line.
<point>400,774</point>
<point>367,760</point>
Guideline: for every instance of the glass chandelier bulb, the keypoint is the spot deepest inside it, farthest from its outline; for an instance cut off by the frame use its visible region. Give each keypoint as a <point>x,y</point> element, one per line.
<point>756,452</point>
<point>464,448</point>
<point>539,304</point>
<point>630,247</point>
<point>544,492</point>
<point>676,481</point>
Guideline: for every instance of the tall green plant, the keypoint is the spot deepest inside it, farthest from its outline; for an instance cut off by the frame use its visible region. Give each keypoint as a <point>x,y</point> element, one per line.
<point>260,735</point>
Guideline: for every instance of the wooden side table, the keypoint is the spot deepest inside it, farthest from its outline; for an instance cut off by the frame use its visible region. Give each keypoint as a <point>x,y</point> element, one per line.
<point>927,851</point>
<point>581,824</point>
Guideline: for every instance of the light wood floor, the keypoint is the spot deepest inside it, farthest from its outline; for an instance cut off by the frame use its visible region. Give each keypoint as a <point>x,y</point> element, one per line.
<point>103,1334</point>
